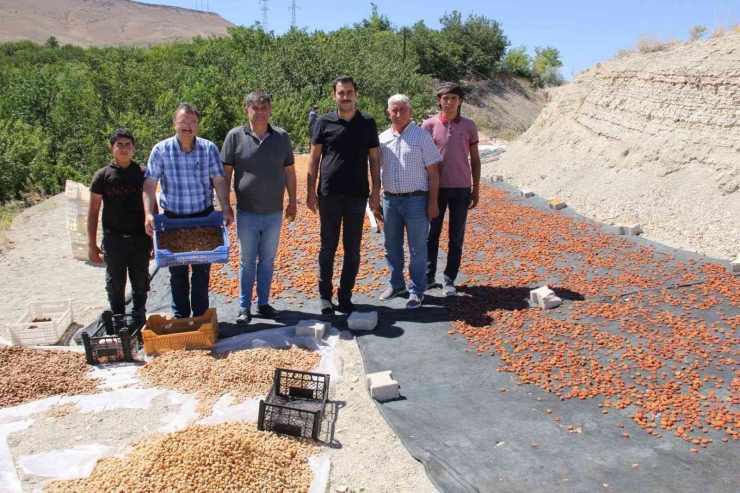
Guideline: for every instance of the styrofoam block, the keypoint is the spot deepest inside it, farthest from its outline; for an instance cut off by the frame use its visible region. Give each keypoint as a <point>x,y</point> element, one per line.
<point>536,295</point>
<point>633,229</point>
<point>312,328</point>
<point>736,266</point>
<point>526,193</point>
<point>363,321</point>
<point>496,178</point>
<point>382,387</point>
<point>557,204</point>
<point>381,375</point>
<point>550,301</point>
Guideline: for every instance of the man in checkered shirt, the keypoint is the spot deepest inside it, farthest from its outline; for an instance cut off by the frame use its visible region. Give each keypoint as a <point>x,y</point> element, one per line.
<point>409,173</point>
<point>188,168</point>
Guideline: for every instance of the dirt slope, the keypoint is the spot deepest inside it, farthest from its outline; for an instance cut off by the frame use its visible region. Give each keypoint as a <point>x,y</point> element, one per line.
<point>650,137</point>
<point>104,22</point>
<point>505,107</point>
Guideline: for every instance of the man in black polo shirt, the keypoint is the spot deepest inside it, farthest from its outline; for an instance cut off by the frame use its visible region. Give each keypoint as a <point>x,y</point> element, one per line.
<point>342,142</point>
<point>261,158</point>
<point>126,246</point>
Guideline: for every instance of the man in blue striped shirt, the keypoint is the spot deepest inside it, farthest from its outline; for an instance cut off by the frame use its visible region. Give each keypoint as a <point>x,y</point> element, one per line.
<point>409,173</point>
<point>188,168</point>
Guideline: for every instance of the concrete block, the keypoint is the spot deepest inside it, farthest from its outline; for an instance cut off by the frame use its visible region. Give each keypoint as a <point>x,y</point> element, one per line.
<point>496,178</point>
<point>557,204</point>
<point>550,301</point>
<point>363,321</point>
<point>382,387</point>
<point>633,229</point>
<point>736,266</point>
<point>312,328</point>
<point>536,295</point>
<point>526,193</point>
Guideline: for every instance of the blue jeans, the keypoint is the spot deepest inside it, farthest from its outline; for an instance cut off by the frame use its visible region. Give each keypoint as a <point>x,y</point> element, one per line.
<point>457,200</point>
<point>189,292</point>
<point>409,213</point>
<point>259,236</point>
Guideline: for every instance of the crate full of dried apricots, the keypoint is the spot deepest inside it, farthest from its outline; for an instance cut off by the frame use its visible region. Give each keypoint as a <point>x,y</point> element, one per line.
<point>198,240</point>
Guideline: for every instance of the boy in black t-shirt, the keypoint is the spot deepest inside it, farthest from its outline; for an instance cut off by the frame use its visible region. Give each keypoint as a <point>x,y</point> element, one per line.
<point>126,246</point>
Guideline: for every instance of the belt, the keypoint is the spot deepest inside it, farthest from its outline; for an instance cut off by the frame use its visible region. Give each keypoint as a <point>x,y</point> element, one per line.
<point>406,194</point>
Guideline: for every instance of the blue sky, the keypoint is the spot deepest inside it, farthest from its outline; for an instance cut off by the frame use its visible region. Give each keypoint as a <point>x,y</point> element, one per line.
<point>585,32</point>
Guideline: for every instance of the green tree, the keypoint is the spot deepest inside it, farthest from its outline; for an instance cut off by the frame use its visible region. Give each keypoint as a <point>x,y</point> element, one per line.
<point>52,42</point>
<point>517,62</point>
<point>482,39</point>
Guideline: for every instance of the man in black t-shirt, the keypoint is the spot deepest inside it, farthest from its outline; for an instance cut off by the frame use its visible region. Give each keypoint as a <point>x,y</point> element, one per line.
<point>126,246</point>
<point>342,142</point>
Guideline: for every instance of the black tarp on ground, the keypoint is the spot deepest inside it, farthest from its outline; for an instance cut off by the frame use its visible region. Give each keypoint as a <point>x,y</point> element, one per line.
<point>453,417</point>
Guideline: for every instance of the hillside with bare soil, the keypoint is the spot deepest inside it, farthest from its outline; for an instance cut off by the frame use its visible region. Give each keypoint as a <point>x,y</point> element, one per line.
<point>503,108</point>
<point>649,137</point>
<point>104,22</point>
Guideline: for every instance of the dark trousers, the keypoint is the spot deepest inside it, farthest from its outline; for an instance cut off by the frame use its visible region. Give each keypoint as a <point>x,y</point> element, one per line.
<point>457,201</point>
<point>348,214</point>
<point>126,255</point>
<point>189,292</point>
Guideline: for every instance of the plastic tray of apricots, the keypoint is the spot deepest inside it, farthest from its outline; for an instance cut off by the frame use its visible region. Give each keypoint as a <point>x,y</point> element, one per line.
<point>188,241</point>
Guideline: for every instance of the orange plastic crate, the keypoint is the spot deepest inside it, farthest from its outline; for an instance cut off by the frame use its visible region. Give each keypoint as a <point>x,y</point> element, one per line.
<point>162,335</point>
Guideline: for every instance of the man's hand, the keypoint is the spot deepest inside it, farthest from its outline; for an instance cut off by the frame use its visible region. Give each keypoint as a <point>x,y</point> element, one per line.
<point>374,201</point>
<point>149,224</point>
<point>290,212</point>
<point>312,201</point>
<point>474,197</point>
<point>432,210</point>
<point>379,215</point>
<point>228,216</point>
<point>93,253</point>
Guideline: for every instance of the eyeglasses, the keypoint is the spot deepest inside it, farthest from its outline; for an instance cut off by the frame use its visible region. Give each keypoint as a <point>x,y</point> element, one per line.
<point>183,123</point>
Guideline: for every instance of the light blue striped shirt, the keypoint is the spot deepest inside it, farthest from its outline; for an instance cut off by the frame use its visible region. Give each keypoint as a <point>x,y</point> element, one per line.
<point>404,159</point>
<point>185,177</point>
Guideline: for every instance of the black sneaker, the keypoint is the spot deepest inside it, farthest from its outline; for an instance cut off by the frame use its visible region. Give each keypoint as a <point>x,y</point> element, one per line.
<point>431,283</point>
<point>346,307</point>
<point>267,311</point>
<point>245,316</point>
<point>327,308</point>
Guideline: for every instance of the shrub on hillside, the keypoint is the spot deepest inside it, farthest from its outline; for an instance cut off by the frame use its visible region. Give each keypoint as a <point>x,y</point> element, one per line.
<point>697,32</point>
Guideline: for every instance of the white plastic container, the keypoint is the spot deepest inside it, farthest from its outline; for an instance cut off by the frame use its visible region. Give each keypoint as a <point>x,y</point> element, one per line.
<point>25,332</point>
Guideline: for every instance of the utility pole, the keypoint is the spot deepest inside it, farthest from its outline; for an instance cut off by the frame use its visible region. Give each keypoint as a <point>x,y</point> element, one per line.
<point>292,9</point>
<point>405,33</point>
<point>264,10</point>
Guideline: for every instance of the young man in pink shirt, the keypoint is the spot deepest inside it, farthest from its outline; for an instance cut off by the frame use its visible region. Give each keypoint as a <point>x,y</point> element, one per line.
<point>457,140</point>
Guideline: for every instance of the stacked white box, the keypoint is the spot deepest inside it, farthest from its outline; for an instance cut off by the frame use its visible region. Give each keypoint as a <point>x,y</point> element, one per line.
<point>382,387</point>
<point>312,328</point>
<point>78,204</point>
<point>736,266</point>
<point>526,193</point>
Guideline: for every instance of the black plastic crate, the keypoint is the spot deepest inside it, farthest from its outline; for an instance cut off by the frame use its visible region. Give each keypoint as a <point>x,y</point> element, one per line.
<point>295,404</point>
<point>118,339</point>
